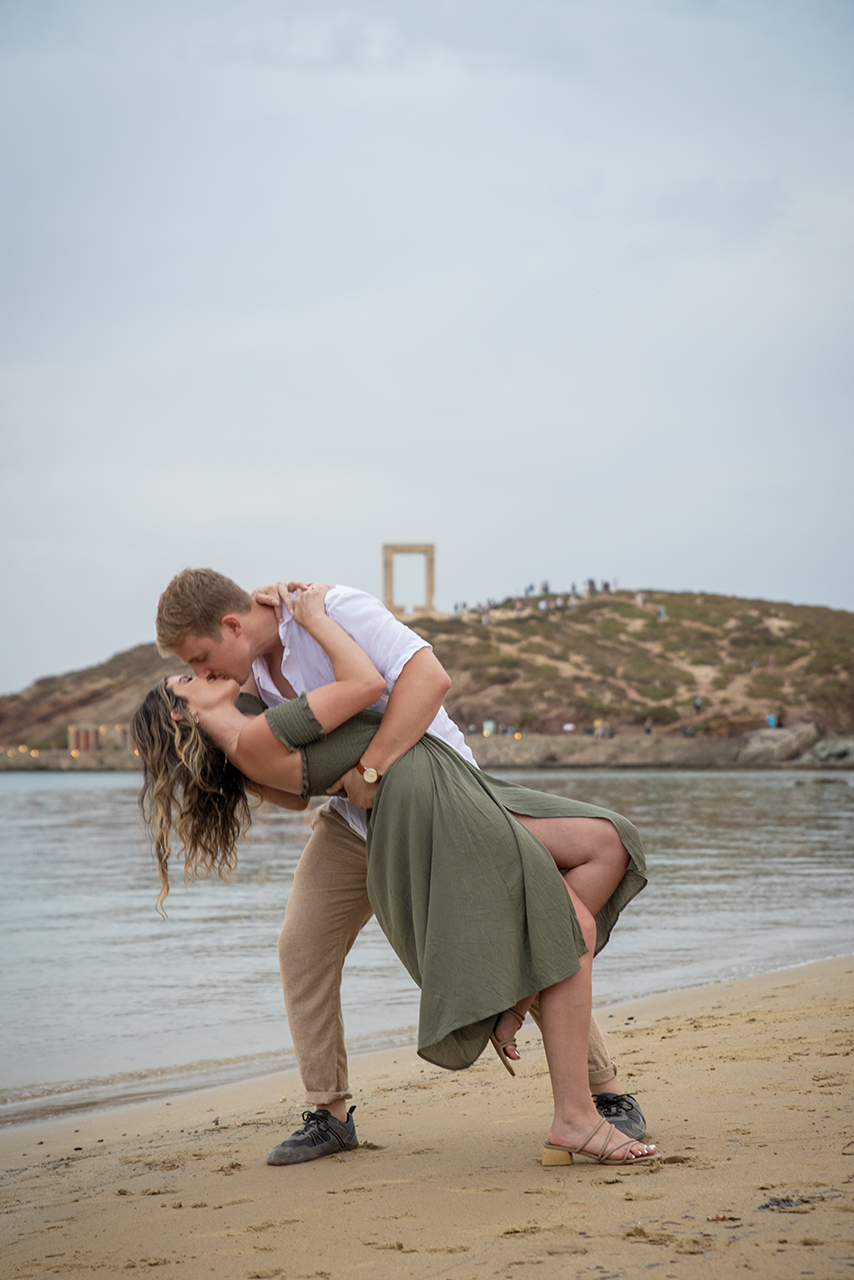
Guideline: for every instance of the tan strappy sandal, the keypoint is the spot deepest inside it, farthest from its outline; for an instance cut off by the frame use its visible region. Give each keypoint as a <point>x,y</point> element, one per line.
<point>500,1045</point>
<point>555,1154</point>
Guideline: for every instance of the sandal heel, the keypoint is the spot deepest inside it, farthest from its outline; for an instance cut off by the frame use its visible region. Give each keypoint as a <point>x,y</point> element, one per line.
<point>500,1045</point>
<point>556,1155</point>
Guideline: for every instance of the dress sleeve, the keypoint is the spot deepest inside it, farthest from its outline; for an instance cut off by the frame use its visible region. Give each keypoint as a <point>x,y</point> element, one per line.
<point>249,705</point>
<point>325,757</point>
<point>294,723</point>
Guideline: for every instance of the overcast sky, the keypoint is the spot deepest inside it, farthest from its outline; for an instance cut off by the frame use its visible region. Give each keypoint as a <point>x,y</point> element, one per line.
<point>561,286</point>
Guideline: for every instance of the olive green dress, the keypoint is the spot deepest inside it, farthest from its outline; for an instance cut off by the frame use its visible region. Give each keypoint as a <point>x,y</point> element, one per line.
<point>471,901</point>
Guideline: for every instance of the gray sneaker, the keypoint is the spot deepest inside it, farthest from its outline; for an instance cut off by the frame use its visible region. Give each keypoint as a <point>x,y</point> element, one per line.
<point>321,1135</point>
<point>622,1111</point>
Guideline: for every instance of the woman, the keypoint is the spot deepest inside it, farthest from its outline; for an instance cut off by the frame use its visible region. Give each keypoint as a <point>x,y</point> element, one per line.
<point>470,899</point>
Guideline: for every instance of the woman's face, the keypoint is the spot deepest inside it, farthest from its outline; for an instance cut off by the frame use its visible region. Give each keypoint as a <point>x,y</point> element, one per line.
<point>204,696</point>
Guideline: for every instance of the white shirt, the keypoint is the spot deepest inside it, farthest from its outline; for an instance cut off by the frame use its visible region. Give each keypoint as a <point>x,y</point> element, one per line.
<point>388,644</point>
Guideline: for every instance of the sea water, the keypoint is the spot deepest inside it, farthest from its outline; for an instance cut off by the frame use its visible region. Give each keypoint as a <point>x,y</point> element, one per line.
<point>104,1002</point>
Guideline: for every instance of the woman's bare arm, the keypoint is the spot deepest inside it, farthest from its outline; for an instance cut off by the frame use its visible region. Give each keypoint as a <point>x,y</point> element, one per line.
<point>283,799</point>
<point>258,754</point>
<point>357,681</point>
<point>256,751</point>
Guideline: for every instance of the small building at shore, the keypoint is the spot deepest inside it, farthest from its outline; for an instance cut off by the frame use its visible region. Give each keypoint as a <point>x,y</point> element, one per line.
<point>99,737</point>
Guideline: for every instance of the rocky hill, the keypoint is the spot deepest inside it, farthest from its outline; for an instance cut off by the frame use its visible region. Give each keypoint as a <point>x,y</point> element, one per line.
<point>106,694</point>
<point>628,658</point>
<point>622,659</point>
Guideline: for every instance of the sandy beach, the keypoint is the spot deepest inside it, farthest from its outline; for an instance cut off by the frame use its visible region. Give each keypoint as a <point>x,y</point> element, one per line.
<point>746,1087</point>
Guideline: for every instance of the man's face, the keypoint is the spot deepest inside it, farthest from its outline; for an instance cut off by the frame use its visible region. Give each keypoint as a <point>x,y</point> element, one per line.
<point>226,656</point>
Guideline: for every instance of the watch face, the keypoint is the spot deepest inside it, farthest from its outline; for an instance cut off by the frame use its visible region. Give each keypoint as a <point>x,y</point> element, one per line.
<point>370,775</point>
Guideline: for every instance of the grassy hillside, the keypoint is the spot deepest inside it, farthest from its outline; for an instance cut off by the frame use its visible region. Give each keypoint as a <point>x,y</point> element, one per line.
<point>610,658</point>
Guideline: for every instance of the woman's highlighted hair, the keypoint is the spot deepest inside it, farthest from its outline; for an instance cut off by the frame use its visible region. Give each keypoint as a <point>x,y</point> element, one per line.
<point>188,784</point>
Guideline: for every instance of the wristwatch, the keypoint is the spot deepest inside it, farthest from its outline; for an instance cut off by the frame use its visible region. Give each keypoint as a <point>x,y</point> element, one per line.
<point>370,775</point>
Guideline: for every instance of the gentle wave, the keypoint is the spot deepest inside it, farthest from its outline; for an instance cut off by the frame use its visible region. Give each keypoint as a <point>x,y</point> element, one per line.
<point>45,1102</point>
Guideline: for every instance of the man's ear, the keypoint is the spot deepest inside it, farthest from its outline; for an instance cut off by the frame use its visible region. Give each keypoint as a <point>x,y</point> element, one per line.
<point>234,623</point>
<point>176,714</point>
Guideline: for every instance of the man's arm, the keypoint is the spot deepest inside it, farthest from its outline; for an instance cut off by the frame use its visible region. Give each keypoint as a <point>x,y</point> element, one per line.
<point>413,704</point>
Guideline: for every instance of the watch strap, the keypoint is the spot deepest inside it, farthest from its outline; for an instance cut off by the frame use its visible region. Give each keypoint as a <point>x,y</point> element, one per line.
<point>362,770</point>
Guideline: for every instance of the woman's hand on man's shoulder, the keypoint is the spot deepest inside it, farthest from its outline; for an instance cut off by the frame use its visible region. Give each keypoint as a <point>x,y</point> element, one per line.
<point>310,602</point>
<point>278,595</point>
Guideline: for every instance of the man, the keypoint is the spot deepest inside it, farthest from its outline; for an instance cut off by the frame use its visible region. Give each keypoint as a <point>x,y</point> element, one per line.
<point>220,631</point>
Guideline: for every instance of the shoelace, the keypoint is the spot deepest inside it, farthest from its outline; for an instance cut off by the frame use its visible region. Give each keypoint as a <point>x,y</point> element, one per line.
<point>618,1105</point>
<point>317,1128</point>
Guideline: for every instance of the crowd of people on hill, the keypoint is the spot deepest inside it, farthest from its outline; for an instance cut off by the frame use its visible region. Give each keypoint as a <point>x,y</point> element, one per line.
<point>544,600</point>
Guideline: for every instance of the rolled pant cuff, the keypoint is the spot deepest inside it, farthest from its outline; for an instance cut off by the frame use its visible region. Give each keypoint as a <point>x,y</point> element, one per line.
<point>323,1099</point>
<point>603,1075</point>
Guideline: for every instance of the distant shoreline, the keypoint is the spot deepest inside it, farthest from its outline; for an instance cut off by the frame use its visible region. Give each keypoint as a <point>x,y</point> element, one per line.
<point>762,749</point>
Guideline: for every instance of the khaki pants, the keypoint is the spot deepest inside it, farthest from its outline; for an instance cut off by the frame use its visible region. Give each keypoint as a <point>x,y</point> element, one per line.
<point>327,908</point>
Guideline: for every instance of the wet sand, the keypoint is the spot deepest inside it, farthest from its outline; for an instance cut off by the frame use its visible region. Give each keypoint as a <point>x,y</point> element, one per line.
<point>746,1087</point>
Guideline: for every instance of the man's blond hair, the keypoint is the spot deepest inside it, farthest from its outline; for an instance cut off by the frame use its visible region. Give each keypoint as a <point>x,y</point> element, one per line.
<point>196,601</point>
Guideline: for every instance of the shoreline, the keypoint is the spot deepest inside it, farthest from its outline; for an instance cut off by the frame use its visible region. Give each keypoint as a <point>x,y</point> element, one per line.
<point>163,1085</point>
<point>543,756</point>
<point>798,748</point>
<point>745,1085</point>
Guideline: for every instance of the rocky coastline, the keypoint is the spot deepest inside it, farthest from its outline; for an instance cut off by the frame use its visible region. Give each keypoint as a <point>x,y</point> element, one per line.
<point>798,747</point>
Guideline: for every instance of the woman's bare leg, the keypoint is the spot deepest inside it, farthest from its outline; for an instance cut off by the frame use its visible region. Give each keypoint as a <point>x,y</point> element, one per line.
<point>565,1016</point>
<point>593,861</point>
<point>588,851</point>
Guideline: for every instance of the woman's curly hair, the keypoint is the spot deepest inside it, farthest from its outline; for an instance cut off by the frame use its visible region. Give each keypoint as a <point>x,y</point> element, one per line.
<point>188,784</point>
